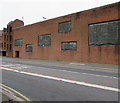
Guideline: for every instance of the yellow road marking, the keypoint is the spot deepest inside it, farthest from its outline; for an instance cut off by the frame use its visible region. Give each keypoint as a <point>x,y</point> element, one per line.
<point>19,99</point>
<point>27,99</point>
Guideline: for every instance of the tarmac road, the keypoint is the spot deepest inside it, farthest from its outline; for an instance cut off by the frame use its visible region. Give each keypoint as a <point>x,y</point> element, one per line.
<point>41,89</point>
<point>43,83</point>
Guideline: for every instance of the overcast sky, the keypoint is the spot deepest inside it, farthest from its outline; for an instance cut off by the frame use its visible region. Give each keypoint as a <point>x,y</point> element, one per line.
<point>32,11</point>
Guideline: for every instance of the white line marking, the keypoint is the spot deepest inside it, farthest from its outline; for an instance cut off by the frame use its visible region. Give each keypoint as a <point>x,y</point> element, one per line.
<point>26,66</point>
<point>65,80</point>
<point>88,74</point>
<point>77,63</point>
<point>100,75</point>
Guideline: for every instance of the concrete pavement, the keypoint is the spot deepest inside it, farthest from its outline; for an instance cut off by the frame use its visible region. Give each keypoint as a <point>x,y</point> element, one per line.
<point>92,66</point>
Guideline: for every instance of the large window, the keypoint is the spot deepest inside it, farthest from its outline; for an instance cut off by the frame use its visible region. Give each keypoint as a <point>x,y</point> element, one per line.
<point>72,46</point>
<point>104,33</point>
<point>28,47</point>
<point>64,27</point>
<point>44,40</point>
<point>18,42</point>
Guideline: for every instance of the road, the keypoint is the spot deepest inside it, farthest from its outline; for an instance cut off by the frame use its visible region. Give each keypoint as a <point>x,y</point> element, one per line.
<point>59,81</point>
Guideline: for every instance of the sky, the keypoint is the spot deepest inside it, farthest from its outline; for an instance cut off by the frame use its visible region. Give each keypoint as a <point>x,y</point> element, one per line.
<point>32,11</point>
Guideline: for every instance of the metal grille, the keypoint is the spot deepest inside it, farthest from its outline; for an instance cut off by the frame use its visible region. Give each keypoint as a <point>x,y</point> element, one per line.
<point>28,47</point>
<point>45,40</point>
<point>72,46</point>
<point>64,27</point>
<point>18,42</point>
<point>104,33</point>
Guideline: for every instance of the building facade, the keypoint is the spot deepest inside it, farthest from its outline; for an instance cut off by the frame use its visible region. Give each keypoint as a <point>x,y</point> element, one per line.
<point>0,42</point>
<point>7,37</point>
<point>90,36</point>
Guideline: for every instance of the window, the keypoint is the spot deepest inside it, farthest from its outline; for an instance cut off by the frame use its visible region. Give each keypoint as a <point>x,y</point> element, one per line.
<point>0,37</point>
<point>28,47</point>
<point>9,29</point>
<point>18,42</point>
<point>64,27</point>
<point>0,44</point>
<point>4,37</point>
<point>44,40</point>
<point>7,37</point>
<point>72,46</point>
<point>104,33</point>
<point>10,37</point>
<point>10,47</point>
<point>7,46</point>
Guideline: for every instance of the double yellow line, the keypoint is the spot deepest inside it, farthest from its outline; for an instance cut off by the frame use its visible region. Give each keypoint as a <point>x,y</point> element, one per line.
<point>18,96</point>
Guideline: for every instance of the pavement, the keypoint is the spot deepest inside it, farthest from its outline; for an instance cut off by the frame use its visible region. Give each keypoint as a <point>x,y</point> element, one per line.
<point>5,97</point>
<point>92,66</point>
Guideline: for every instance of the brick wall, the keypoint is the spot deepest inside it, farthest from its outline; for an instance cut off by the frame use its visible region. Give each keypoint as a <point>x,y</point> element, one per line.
<point>103,54</point>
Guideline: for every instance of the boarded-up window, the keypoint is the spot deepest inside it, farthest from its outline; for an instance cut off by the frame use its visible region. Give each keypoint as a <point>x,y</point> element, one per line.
<point>18,42</point>
<point>28,47</point>
<point>104,33</point>
<point>72,46</point>
<point>44,40</point>
<point>64,27</point>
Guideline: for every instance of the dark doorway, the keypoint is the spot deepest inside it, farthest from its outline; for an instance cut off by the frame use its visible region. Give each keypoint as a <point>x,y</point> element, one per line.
<point>17,54</point>
<point>3,53</point>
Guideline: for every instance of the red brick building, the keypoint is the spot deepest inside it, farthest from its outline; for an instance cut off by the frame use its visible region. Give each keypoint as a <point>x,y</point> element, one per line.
<point>0,42</point>
<point>7,37</point>
<point>89,36</point>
